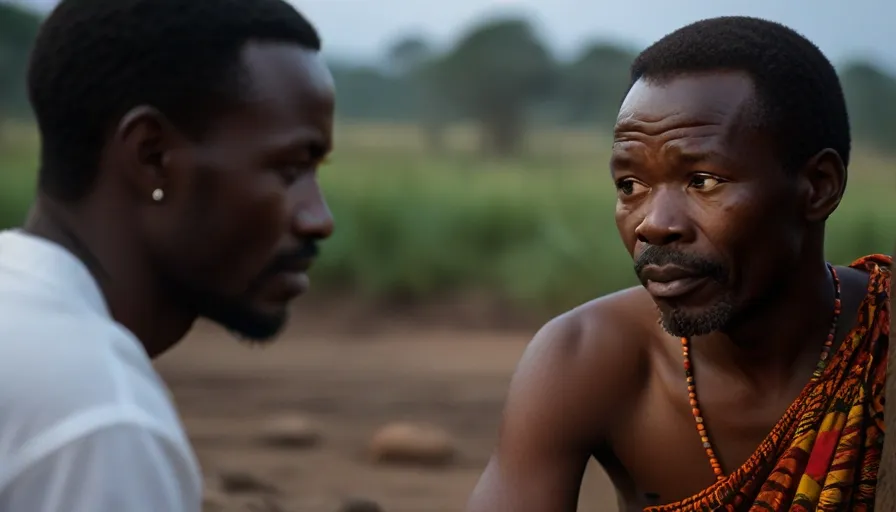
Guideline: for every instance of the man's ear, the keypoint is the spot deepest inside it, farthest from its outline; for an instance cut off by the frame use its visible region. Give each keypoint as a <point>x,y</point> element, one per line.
<point>146,139</point>
<point>824,176</point>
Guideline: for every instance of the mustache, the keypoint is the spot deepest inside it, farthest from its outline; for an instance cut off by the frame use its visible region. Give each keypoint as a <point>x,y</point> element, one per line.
<point>290,260</point>
<point>659,255</point>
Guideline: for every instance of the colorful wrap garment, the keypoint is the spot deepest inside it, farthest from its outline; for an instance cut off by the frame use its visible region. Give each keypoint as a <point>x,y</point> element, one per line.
<point>823,454</point>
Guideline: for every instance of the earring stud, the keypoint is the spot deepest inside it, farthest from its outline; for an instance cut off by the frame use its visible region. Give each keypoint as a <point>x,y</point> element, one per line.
<point>158,195</point>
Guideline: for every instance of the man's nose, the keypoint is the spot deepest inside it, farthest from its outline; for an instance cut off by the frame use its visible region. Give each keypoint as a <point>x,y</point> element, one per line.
<point>666,220</point>
<point>312,218</point>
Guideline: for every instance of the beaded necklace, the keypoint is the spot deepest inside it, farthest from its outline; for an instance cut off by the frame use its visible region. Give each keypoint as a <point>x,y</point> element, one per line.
<point>692,387</point>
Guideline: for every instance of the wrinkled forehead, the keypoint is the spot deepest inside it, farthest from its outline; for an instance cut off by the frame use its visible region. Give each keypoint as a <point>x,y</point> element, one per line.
<point>689,99</point>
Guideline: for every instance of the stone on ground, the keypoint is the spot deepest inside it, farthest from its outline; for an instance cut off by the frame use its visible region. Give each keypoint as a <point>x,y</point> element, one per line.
<point>412,444</point>
<point>290,431</point>
<point>242,482</point>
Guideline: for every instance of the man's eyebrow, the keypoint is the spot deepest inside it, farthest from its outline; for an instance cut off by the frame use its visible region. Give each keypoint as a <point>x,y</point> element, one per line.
<point>301,142</point>
<point>693,157</point>
<point>622,160</point>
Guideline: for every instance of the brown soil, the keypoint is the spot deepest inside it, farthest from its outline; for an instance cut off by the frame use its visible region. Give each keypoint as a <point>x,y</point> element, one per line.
<point>350,382</point>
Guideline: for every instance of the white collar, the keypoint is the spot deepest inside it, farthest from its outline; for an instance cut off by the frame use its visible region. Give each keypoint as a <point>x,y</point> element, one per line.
<point>52,264</point>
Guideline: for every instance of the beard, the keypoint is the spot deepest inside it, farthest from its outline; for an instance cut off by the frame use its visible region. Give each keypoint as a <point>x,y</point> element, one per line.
<point>686,322</point>
<point>241,316</point>
<point>682,323</point>
<point>241,319</point>
<point>247,324</point>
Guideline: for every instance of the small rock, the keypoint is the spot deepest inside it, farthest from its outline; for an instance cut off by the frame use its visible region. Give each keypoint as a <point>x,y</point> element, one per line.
<point>241,482</point>
<point>360,505</point>
<point>290,431</point>
<point>412,444</point>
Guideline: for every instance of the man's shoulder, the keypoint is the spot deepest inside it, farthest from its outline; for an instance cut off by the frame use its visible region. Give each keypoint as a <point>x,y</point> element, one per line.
<point>77,370</point>
<point>121,466</point>
<point>62,345</point>
<point>586,368</point>
<point>625,320</point>
<point>602,344</point>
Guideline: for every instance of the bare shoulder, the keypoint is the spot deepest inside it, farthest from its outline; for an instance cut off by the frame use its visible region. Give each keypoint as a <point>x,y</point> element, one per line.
<point>589,361</point>
<point>581,370</point>
<point>616,325</point>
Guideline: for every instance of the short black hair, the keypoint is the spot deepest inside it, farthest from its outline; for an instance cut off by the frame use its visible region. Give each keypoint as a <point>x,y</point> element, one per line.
<point>799,95</point>
<point>93,60</point>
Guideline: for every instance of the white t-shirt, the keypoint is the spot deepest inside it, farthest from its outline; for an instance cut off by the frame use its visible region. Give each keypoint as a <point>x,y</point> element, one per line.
<point>86,423</point>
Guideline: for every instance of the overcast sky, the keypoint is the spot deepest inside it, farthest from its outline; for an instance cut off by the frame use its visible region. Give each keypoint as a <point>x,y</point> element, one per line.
<point>841,28</point>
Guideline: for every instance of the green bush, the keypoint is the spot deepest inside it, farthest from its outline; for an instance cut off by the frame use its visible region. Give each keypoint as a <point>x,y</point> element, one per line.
<point>539,233</point>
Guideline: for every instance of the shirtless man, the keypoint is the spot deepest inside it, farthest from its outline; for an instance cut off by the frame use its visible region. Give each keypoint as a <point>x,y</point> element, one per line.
<point>745,374</point>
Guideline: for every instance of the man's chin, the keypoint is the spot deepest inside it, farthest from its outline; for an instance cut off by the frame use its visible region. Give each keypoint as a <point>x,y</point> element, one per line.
<point>686,323</point>
<point>252,326</point>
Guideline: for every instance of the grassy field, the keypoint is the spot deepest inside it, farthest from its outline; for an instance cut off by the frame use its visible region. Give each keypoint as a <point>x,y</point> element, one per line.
<point>538,233</point>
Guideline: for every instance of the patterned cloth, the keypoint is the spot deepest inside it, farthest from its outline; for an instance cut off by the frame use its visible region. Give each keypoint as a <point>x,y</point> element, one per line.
<point>824,453</point>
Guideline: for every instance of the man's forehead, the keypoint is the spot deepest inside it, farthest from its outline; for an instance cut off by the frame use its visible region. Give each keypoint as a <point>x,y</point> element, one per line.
<point>287,68</point>
<point>694,98</point>
<point>289,94</point>
<point>693,117</point>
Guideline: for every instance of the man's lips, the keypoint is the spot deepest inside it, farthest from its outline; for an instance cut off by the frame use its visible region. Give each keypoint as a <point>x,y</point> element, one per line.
<point>670,281</point>
<point>291,277</point>
<point>297,266</point>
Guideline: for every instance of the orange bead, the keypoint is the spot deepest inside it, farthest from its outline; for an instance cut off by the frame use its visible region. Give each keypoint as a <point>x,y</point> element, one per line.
<point>693,399</point>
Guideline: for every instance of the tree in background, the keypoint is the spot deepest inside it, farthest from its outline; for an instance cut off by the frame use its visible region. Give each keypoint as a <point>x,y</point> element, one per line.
<point>493,75</point>
<point>407,54</point>
<point>414,62</point>
<point>500,75</point>
<point>871,99</point>
<point>593,84</point>
<point>18,28</point>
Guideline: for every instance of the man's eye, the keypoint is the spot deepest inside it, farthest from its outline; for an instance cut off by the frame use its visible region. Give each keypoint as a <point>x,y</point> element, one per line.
<point>704,182</point>
<point>629,186</point>
<point>290,173</point>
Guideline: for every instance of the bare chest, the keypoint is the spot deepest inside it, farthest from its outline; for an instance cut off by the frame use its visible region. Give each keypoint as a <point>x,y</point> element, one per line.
<point>659,456</point>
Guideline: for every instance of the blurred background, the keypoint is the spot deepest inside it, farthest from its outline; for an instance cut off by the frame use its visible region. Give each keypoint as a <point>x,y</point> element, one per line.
<point>473,202</point>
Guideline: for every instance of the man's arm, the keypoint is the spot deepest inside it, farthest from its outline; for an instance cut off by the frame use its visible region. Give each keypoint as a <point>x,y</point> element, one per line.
<point>562,400</point>
<point>123,467</point>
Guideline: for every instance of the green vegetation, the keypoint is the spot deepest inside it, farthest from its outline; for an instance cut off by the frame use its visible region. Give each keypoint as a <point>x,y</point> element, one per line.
<point>430,208</point>
<point>537,231</point>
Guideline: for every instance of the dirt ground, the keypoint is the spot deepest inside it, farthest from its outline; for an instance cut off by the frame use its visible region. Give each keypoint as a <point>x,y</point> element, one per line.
<point>349,384</point>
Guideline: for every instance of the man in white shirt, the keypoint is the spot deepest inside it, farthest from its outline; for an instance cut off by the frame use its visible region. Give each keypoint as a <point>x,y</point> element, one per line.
<point>178,180</point>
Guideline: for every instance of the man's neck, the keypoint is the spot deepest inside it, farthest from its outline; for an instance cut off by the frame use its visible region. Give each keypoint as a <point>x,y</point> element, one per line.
<point>785,333</point>
<point>133,293</point>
